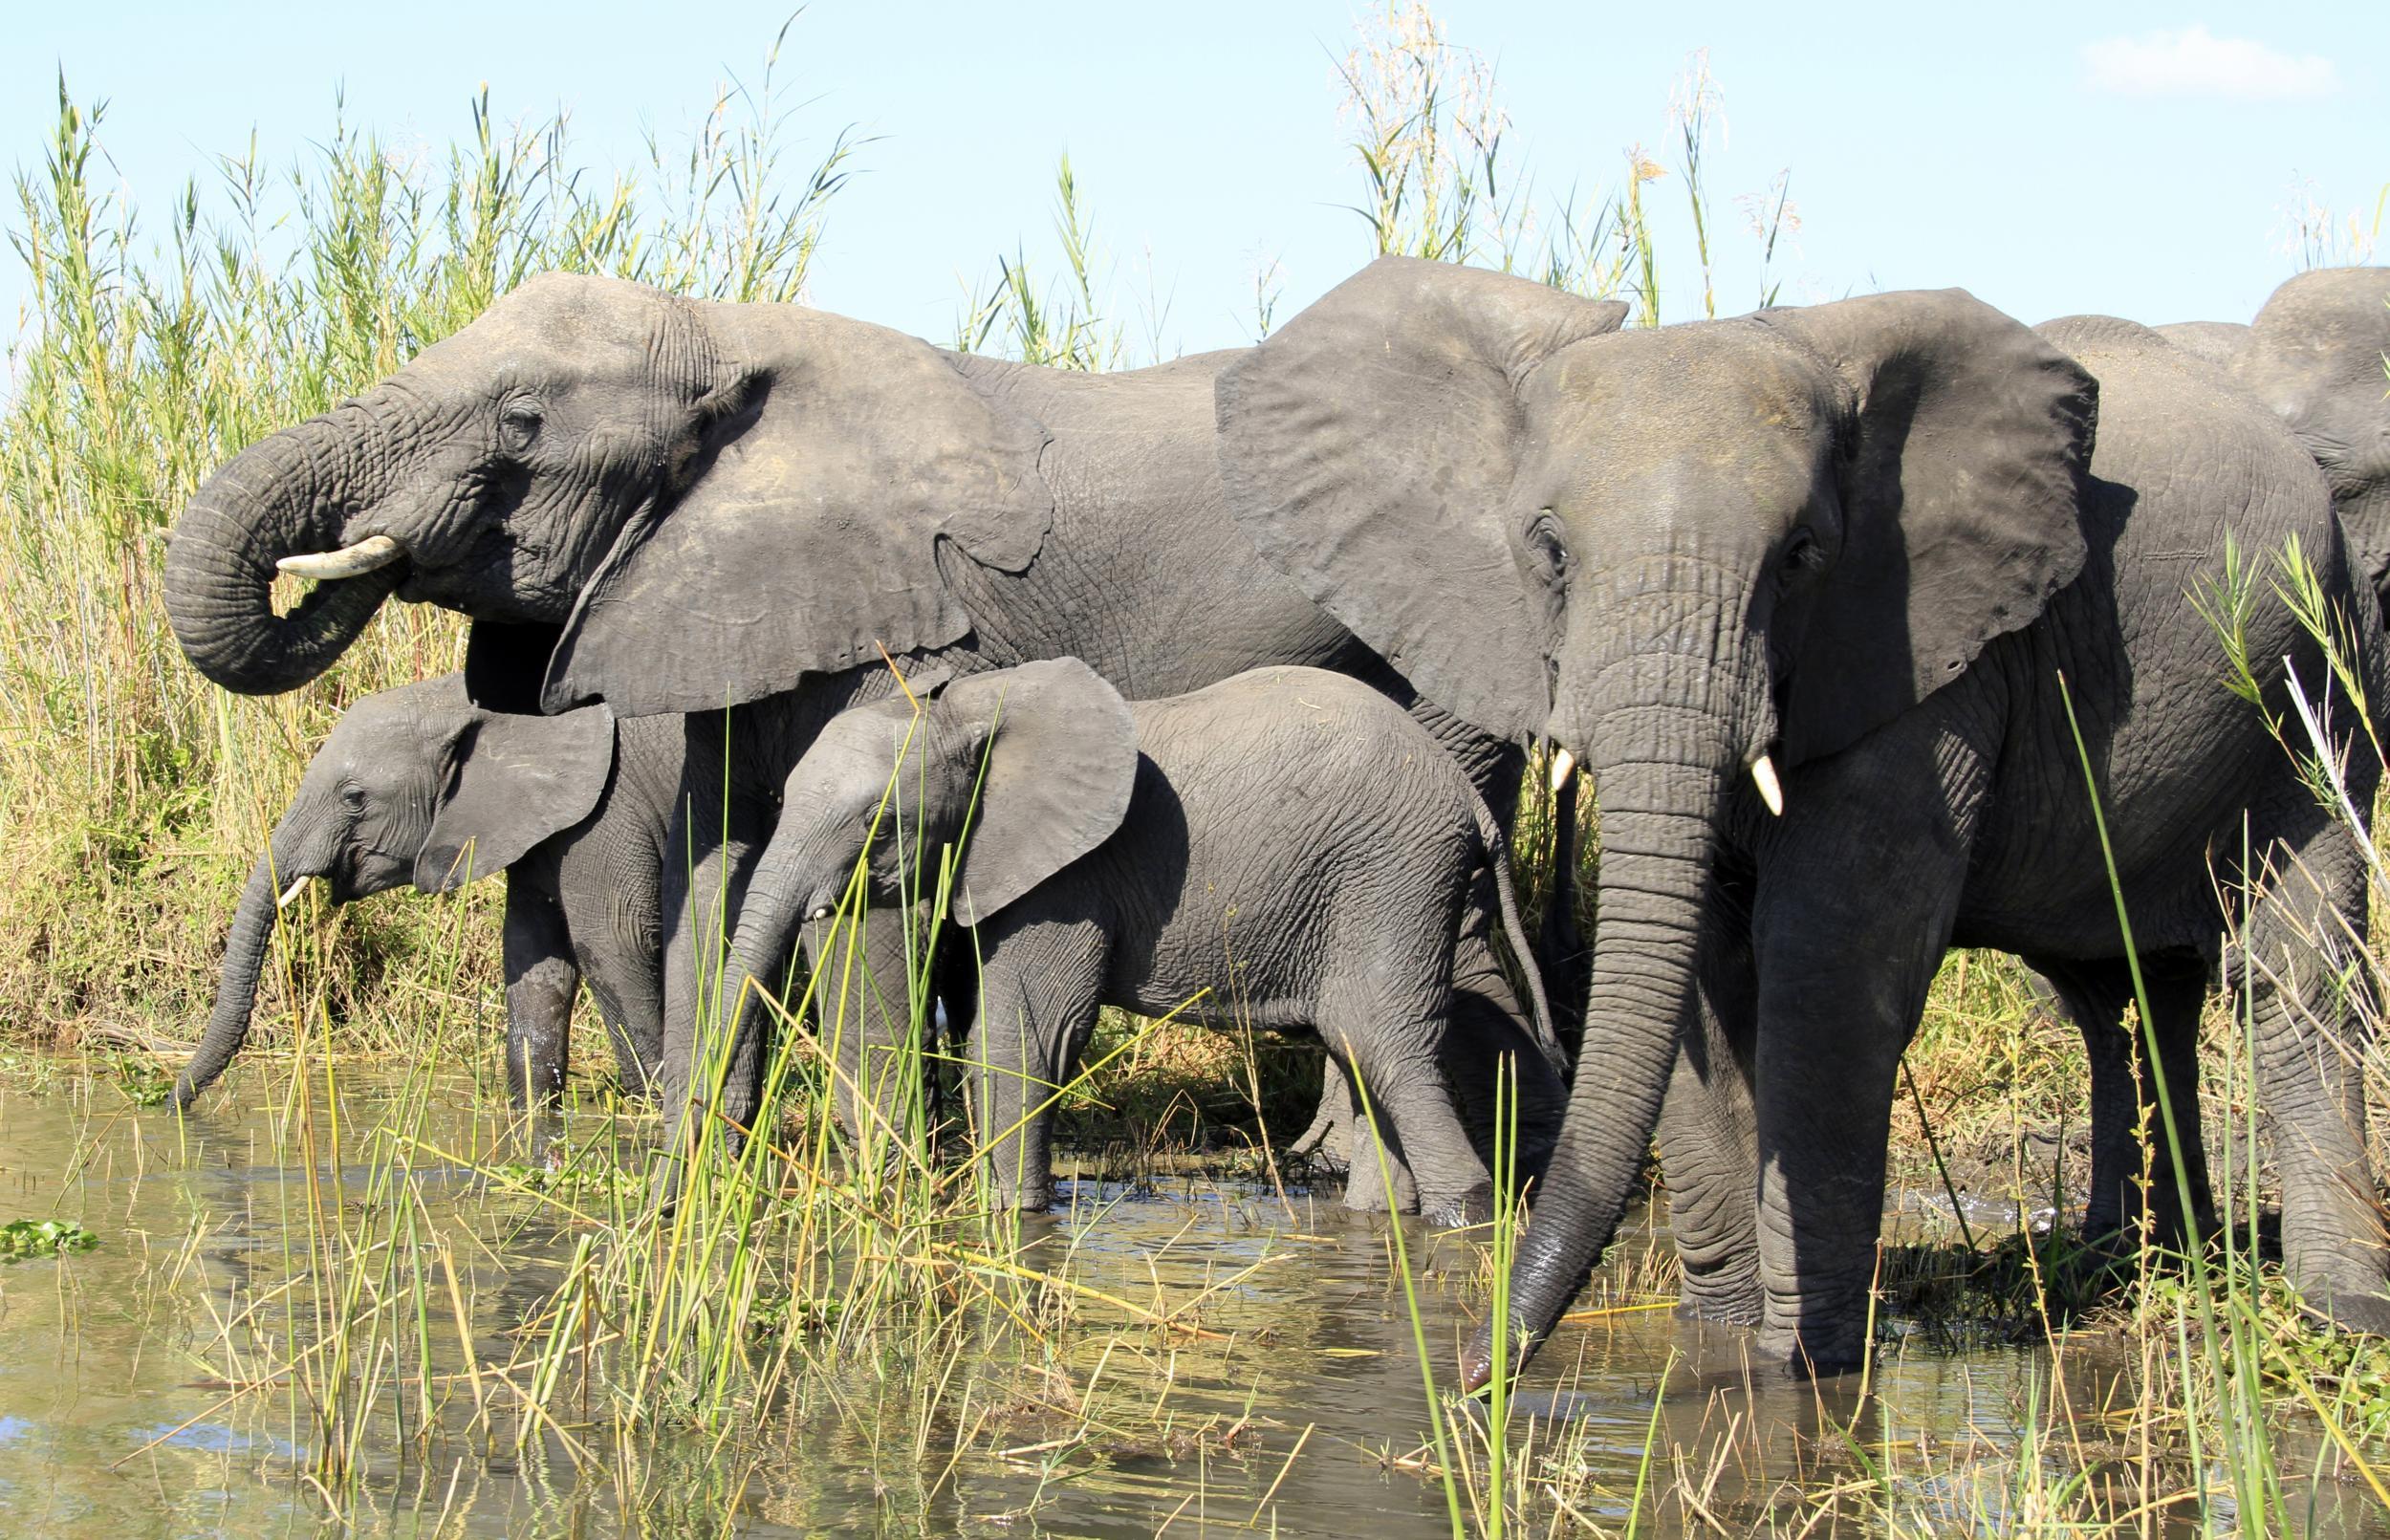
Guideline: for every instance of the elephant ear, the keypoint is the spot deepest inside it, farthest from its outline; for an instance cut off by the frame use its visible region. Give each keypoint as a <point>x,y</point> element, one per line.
<point>1965,458</point>
<point>1368,449</point>
<point>805,538</point>
<point>511,782</point>
<point>1061,763</point>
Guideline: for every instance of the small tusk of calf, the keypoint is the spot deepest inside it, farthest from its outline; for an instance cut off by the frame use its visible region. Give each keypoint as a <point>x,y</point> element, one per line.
<point>1563,766</point>
<point>1771,789</point>
<point>369,554</point>
<point>290,894</point>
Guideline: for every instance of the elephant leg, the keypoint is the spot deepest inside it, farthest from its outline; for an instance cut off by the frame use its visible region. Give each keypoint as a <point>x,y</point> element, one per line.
<point>875,1014</point>
<point>2124,1091</point>
<point>1708,1158</point>
<point>2310,1050</point>
<point>1391,1046</point>
<point>1039,993</point>
<point>698,1070</point>
<point>1490,1036</point>
<point>541,982</point>
<point>1852,908</point>
<point>1376,1179</point>
<point>630,997</point>
<point>1327,1140</point>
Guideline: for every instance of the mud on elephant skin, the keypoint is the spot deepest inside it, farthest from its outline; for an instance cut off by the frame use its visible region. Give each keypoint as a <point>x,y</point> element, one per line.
<point>677,506</point>
<point>418,784</point>
<point>1797,589</point>
<point>1286,849</point>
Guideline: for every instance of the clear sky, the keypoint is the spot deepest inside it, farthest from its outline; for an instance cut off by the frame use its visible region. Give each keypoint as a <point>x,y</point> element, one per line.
<point>2132,157</point>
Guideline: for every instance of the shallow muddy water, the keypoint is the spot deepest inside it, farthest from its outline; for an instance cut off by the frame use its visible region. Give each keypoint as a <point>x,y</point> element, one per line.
<point>147,1387</point>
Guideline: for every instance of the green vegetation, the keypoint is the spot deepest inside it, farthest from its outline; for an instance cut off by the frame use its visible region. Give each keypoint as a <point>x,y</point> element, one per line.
<point>817,1291</point>
<point>22,1239</point>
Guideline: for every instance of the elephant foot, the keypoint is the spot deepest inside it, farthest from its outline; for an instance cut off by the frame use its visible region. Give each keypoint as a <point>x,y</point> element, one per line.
<point>1461,1210</point>
<point>1729,1296</point>
<point>2365,1312</point>
<point>1815,1354</point>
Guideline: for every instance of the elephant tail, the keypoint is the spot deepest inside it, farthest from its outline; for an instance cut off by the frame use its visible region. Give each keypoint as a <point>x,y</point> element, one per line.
<point>1497,849</point>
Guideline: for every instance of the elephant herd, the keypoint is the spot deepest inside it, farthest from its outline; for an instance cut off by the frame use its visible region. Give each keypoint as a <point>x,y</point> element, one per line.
<point>1223,676</point>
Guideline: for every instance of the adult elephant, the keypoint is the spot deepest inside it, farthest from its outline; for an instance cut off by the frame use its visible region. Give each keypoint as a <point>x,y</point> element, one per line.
<point>681,506</point>
<point>1799,590</point>
<point>2316,355</point>
<point>417,784</point>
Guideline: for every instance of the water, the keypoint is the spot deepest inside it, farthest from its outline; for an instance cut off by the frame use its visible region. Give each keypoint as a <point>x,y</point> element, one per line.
<point>142,1388</point>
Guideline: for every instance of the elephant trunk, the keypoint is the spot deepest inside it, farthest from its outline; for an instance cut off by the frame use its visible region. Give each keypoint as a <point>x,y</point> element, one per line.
<point>1672,714</point>
<point>287,496</point>
<point>760,947</point>
<point>236,992</point>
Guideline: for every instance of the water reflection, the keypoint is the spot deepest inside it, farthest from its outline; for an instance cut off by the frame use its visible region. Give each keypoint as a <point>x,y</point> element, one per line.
<point>1298,1403</point>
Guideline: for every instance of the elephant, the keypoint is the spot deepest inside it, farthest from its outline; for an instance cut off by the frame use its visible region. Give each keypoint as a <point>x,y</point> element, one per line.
<point>418,784</point>
<point>1822,598</point>
<point>1286,848</point>
<point>2315,354</point>
<point>749,513</point>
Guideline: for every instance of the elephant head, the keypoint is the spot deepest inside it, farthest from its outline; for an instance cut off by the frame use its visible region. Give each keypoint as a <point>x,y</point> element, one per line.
<point>1694,557</point>
<point>668,505</point>
<point>1024,769</point>
<point>415,784</point>
<point>2315,355</point>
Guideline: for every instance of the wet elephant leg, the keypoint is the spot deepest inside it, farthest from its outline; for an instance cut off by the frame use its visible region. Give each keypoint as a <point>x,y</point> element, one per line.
<point>874,1014</point>
<point>2123,1095</point>
<point>1708,1153</point>
<point>2310,1051</point>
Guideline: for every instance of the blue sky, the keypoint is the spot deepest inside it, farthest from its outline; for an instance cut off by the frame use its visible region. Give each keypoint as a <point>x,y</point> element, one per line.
<point>2129,158</point>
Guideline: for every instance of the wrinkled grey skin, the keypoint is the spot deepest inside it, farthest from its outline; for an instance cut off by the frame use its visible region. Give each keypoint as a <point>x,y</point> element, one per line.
<point>418,785</point>
<point>1863,539</point>
<point>1288,840</point>
<point>2314,354</point>
<point>679,507</point>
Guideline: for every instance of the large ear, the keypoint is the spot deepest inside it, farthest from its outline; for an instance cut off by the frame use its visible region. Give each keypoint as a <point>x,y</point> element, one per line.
<point>806,539</point>
<point>1368,449</point>
<point>1061,761</point>
<point>1965,455</point>
<point>511,782</point>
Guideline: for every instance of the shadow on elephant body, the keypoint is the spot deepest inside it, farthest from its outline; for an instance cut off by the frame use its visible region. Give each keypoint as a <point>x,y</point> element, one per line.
<point>1799,587</point>
<point>417,784</point>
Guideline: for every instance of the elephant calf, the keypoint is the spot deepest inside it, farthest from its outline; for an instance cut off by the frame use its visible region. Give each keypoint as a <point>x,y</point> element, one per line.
<point>1287,839</point>
<point>417,784</point>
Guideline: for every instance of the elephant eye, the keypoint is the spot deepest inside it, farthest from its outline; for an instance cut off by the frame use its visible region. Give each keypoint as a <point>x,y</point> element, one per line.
<point>1803,553</point>
<point>518,426</point>
<point>352,798</point>
<point>1547,548</point>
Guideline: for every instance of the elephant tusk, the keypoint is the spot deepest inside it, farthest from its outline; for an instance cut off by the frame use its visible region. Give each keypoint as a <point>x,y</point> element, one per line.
<point>1563,766</point>
<point>1771,789</point>
<point>290,894</point>
<point>369,554</point>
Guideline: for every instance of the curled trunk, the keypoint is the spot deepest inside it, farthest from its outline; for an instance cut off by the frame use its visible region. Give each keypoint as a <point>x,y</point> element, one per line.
<point>285,495</point>
<point>236,992</point>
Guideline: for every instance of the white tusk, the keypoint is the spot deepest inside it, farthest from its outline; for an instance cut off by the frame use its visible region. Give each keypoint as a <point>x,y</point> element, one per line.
<point>1771,789</point>
<point>290,894</point>
<point>369,554</point>
<point>820,914</point>
<point>1563,766</point>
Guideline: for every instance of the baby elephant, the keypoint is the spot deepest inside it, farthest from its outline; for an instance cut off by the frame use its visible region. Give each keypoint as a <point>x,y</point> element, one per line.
<point>1288,840</point>
<point>417,784</point>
